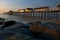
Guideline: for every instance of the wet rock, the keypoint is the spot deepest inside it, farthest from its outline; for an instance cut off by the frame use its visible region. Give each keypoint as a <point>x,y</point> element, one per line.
<point>1,21</point>
<point>25,26</point>
<point>31,23</point>
<point>24,34</point>
<point>18,34</point>
<point>5,36</point>
<point>1,26</point>
<point>43,32</point>
<point>12,37</point>
<point>51,25</point>
<point>37,28</point>
<point>38,22</point>
<point>14,27</point>
<point>34,23</point>
<point>9,23</point>
<point>56,21</point>
<point>24,31</point>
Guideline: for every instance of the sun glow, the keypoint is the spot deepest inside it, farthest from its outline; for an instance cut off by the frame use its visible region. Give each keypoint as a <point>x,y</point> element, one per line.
<point>3,8</point>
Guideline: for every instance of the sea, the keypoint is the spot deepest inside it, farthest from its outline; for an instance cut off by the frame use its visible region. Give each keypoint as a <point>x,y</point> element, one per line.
<point>22,19</point>
<point>15,18</point>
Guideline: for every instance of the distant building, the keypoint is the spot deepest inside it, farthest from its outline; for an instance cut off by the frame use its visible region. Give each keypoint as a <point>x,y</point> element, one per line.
<point>28,9</point>
<point>41,9</point>
<point>58,7</point>
<point>21,10</point>
<point>10,12</point>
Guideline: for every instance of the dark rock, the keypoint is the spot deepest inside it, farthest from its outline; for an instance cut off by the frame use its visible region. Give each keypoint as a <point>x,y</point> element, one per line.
<point>18,25</point>
<point>9,23</point>
<point>51,25</point>
<point>34,23</point>
<point>5,36</point>
<point>24,31</point>
<point>1,27</point>
<point>25,26</point>
<point>38,22</point>
<point>31,23</point>
<point>40,31</point>
<point>1,20</point>
<point>19,34</point>
<point>1,23</point>
<point>44,36</point>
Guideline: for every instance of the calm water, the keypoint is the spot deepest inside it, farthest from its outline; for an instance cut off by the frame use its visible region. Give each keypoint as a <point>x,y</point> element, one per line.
<point>20,19</point>
<point>14,17</point>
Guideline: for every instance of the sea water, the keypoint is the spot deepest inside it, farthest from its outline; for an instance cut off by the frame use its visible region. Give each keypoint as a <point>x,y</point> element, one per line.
<point>14,17</point>
<point>23,19</point>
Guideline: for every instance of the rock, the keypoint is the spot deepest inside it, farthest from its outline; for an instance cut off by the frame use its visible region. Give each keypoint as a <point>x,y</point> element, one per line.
<point>18,26</point>
<point>38,22</point>
<point>51,25</point>
<point>37,28</point>
<point>24,31</point>
<point>5,36</point>
<point>31,23</point>
<point>18,34</point>
<point>57,21</point>
<point>12,37</point>
<point>9,23</point>
<point>25,26</point>
<point>41,31</point>
<point>1,20</point>
<point>14,27</point>
<point>34,23</point>
<point>1,27</point>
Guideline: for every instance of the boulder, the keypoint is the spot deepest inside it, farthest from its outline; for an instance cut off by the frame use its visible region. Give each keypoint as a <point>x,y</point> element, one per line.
<point>35,23</point>
<point>51,25</point>
<point>41,31</point>
<point>57,21</point>
<point>9,23</point>
<point>1,20</point>
<point>18,25</point>
<point>7,36</point>
<point>24,31</point>
<point>38,22</point>
<point>25,26</point>
<point>37,28</point>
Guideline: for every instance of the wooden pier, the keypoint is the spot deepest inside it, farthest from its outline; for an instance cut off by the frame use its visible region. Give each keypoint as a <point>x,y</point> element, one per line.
<point>42,15</point>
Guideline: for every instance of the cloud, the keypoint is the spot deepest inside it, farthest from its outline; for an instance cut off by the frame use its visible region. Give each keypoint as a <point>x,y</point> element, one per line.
<point>6,5</point>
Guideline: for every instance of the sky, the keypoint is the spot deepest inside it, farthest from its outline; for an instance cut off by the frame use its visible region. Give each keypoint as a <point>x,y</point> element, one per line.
<point>6,5</point>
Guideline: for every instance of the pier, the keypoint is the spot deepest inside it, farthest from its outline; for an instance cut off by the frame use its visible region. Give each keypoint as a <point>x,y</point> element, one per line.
<point>47,15</point>
<point>44,13</point>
